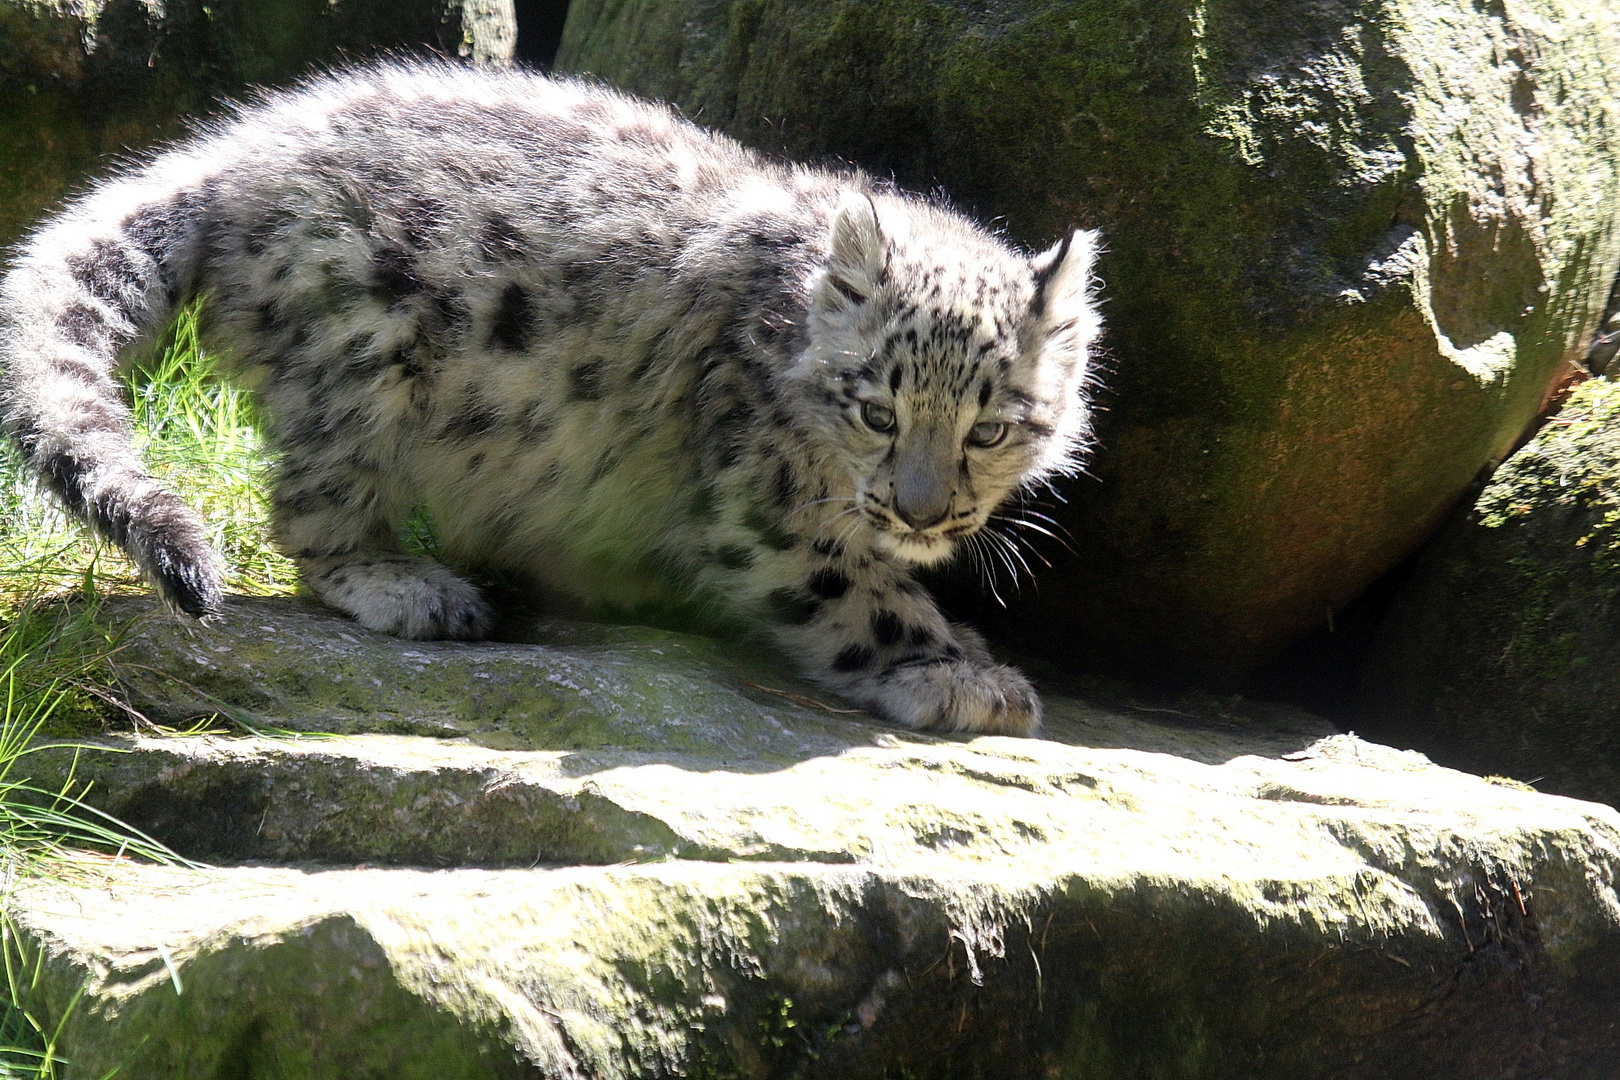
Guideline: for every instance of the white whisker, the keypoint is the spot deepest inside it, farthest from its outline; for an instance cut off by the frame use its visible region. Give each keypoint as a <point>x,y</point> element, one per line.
<point>1010,551</point>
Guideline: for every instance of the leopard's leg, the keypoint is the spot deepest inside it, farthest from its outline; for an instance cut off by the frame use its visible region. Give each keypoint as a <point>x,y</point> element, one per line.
<point>860,625</point>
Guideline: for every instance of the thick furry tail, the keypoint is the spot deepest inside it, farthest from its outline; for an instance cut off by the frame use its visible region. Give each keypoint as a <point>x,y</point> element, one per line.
<point>109,270</point>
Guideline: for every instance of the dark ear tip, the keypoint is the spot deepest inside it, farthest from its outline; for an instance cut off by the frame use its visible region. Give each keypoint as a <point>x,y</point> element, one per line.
<point>1046,263</point>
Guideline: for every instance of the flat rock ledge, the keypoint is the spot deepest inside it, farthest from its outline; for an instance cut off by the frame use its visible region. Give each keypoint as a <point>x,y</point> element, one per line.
<point>621,853</point>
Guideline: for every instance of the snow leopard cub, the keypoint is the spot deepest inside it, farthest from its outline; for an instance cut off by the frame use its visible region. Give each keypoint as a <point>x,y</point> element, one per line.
<point>627,359</point>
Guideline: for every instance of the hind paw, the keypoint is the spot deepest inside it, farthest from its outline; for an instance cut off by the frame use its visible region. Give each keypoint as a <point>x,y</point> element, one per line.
<point>407,597</point>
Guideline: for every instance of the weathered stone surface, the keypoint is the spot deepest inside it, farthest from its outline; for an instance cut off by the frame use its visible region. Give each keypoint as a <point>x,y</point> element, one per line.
<point>1502,655</point>
<point>819,897</point>
<point>1351,245</point>
<point>294,664</point>
<point>80,81</point>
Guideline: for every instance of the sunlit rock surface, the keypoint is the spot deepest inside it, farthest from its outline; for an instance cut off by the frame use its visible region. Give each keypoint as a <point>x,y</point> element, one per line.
<point>635,856</point>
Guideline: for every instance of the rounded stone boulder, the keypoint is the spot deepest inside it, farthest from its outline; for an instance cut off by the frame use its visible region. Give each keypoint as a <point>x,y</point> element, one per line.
<point>82,82</point>
<point>1351,249</point>
<point>1502,655</point>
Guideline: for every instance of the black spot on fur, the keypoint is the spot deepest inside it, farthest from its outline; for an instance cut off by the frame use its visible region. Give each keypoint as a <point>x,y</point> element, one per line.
<point>85,327</point>
<point>644,366</point>
<point>510,328</point>
<point>734,557</point>
<point>419,217</point>
<point>327,550</point>
<point>730,451</point>
<point>919,637</point>
<point>771,533</point>
<point>156,229</point>
<point>537,423</point>
<point>472,422</point>
<point>585,381</point>
<point>340,292</point>
<point>86,373</point>
<point>787,606</point>
<point>448,313</point>
<point>393,275</point>
<point>984,393</point>
<point>106,272</point>
<point>550,477</point>
<point>359,360</point>
<point>787,489</point>
<point>606,464</point>
<point>64,476</point>
<point>894,379</point>
<point>887,629</point>
<point>854,658</point>
<point>829,584</point>
<point>263,234</point>
<point>409,364</point>
<point>702,502</point>
<point>499,239</point>
<point>296,504</point>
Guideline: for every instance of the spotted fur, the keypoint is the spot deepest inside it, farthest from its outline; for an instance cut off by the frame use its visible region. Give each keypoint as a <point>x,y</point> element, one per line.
<point>622,358</point>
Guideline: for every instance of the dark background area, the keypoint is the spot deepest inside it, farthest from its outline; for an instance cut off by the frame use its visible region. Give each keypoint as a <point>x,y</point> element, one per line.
<point>539,31</point>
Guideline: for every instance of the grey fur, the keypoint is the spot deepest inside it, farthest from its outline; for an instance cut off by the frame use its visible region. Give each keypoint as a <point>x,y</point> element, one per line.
<point>626,359</point>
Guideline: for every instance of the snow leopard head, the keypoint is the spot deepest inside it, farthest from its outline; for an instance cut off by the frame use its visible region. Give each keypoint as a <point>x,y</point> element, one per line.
<point>946,369</point>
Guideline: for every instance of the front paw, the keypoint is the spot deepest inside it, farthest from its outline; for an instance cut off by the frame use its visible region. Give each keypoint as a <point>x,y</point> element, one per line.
<point>957,695</point>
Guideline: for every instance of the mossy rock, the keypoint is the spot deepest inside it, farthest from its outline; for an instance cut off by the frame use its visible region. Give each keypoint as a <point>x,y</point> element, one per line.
<point>1350,248</point>
<point>1502,654</point>
<point>674,863</point>
<point>81,83</point>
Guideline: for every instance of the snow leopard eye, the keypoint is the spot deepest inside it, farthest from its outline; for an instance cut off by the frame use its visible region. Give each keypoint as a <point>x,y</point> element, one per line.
<point>987,434</point>
<point>877,417</point>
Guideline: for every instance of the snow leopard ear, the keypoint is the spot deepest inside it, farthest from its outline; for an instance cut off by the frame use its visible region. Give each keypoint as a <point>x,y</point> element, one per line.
<point>1063,273</point>
<point>856,249</point>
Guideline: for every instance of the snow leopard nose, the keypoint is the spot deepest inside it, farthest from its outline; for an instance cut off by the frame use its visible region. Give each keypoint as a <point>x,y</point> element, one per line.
<point>922,492</point>
<point>924,519</point>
